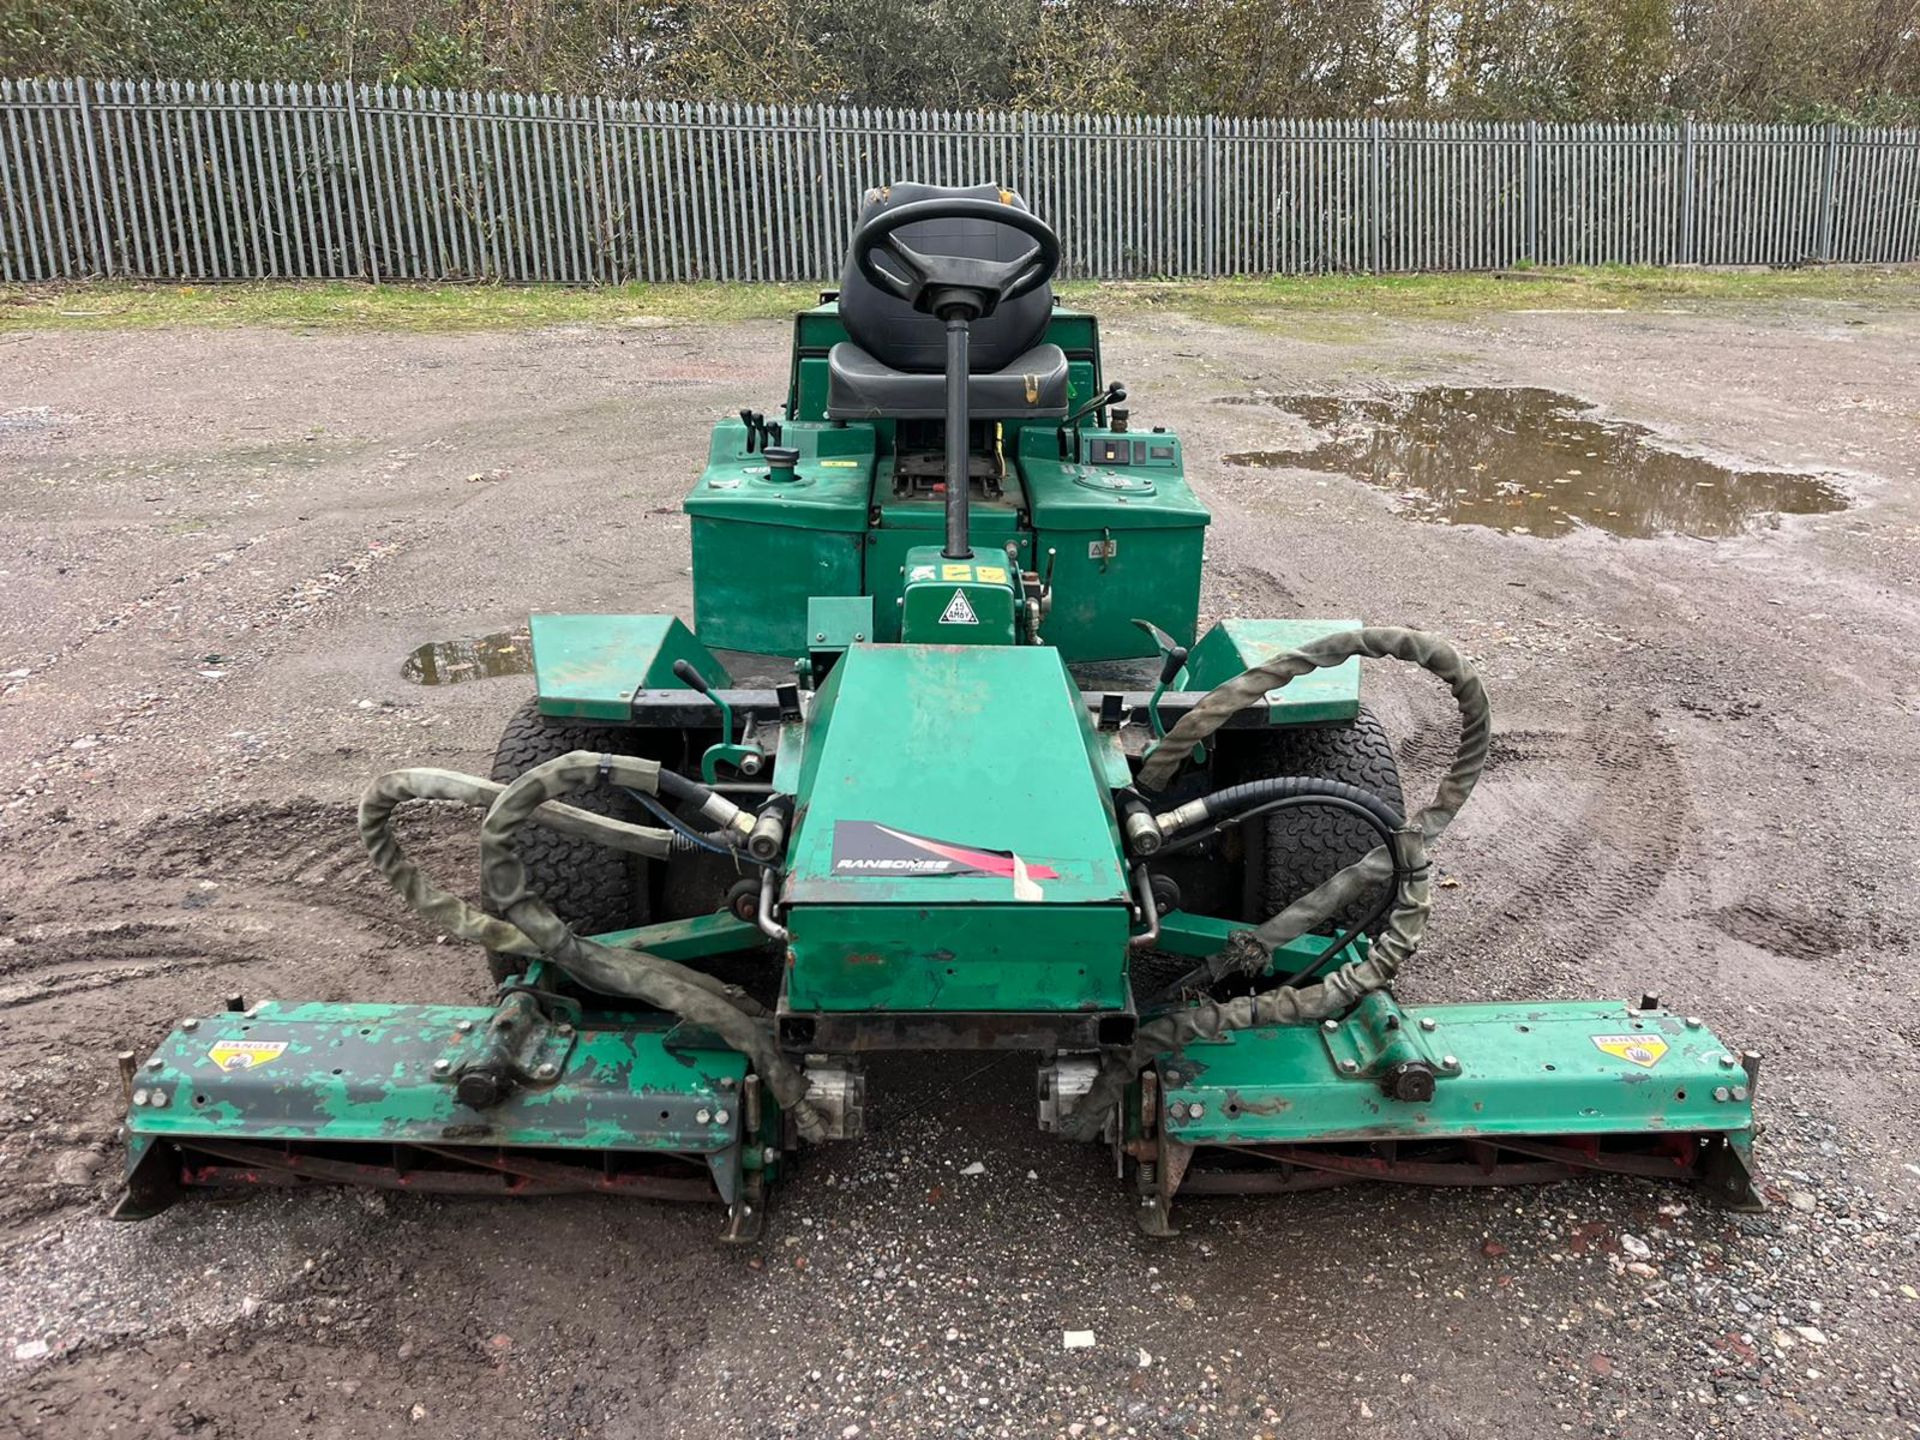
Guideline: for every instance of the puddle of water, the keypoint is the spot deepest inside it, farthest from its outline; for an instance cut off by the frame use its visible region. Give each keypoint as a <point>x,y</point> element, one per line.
<point>1530,462</point>
<point>451,662</point>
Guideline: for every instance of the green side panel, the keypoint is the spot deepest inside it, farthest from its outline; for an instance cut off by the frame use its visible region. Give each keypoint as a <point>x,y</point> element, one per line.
<point>979,746</point>
<point>957,602</point>
<point>751,581</point>
<point>365,1074</point>
<point>958,957</point>
<point>588,666</point>
<point>762,548</point>
<point>1560,1068</point>
<point>1123,543</point>
<point>1319,696</point>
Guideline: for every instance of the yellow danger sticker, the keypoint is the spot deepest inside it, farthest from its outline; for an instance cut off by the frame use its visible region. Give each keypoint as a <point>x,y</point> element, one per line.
<point>1642,1050</point>
<point>956,572</point>
<point>246,1054</point>
<point>991,574</point>
<point>841,464</point>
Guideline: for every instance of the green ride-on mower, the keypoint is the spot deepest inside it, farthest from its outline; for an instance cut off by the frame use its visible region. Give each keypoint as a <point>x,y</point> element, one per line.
<point>942,764</point>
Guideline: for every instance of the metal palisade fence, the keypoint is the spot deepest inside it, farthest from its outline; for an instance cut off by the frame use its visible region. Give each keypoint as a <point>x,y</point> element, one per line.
<point>205,181</point>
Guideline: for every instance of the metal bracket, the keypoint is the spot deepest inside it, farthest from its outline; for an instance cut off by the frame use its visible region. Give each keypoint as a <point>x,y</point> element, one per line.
<point>1377,1043</point>
<point>521,1047</point>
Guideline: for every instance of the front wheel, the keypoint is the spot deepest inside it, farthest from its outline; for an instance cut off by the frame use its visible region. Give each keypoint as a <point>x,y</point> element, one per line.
<point>1291,851</point>
<point>593,888</point>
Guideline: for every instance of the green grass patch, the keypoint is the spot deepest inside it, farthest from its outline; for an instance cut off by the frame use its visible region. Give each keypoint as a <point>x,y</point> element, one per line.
<point>1336,298</point>
<point>114,305</point>
<point>1283,298</point>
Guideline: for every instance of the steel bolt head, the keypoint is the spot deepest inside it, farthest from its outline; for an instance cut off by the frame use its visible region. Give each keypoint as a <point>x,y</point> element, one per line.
<point>1329,1025</point>
<point>1429,1025</point>
<point>1450,1062</point>
<point>726,1082</point>
<point>465,1027</point>
<point>1694,1022</point>
<point>1727,1062</point>
<point>547,1071</point>
<point>442,1066</point>
<point>1349,1067</point>
<point>768,1155</point>
<point>721,1117</point>
<point>158,1099</point>
<point>139,1097</point>
<point>1722,1094</point>
<point>703,1116</point>
<point>564,1031</point>
<point>1177,1110</point>
<point>155,1063</point>
<point>190,1023</point>
<point>1196,1110</point>
<point>1739,1092</point>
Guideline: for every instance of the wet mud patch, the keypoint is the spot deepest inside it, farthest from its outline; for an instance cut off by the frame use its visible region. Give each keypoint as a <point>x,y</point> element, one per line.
<point>1526,461</point>
<point>453,662</point>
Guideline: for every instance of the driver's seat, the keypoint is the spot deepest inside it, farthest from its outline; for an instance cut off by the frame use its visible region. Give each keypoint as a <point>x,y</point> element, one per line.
<point>895,365</point>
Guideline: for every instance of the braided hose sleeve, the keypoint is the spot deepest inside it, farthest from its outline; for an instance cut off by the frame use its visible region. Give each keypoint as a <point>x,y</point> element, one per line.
<point>449,914</point>
<point>663,984</point>
<point>1406,857</point>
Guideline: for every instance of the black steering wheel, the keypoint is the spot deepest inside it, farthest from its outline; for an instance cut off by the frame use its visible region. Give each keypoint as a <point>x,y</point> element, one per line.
<point>935,283</point>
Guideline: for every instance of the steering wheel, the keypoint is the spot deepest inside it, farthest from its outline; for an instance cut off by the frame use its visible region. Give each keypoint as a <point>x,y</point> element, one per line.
<point>935,283</point>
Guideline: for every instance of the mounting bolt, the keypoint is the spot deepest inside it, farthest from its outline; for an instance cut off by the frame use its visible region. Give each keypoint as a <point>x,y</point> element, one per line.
<point>1177,1110</point>
<point>546,1071</point>
<point>1449,1062</point>
<point>1195,1110</point>
<point>1722,1094</point>
<point>1739,1092</point>
<point>139,1097</point>
<point>465,1027</point>
<point>1330,1026</point>
<point>768,1155</point>
<point>158,1099</point>
<point>190,1024</point>
<point>156,1063</point>
<point>1429,1025</point>
<point>1172,1077</point>
<point>1349,1067</point>
<point>703,1116</point>
<point>1693,1022</point>
<point>726,1082</point>
<point>1727,1062</point>
<point>721,1117</point>
<point>442,1066</point>
<point>564,1031</point>
<point>819,635</point>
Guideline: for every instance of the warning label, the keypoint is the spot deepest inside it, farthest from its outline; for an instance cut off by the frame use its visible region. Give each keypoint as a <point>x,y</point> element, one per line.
<point>1642,1050</point>
<point>246,1054</point>
<point>958,611</point>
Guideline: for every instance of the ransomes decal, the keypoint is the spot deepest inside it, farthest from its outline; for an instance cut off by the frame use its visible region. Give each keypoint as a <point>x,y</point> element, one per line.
<point>860,847</point>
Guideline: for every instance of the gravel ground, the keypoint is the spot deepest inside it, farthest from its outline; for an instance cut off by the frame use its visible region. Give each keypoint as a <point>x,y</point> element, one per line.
<point>216,548</point>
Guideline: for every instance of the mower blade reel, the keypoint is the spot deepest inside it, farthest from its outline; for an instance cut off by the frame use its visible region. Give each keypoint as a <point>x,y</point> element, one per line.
<point>371,1095</point>
<point>1452,1095</point>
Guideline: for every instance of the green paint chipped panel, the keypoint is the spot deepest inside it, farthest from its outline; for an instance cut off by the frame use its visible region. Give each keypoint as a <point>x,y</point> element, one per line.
<point>1554,1068</point>
<point>588,666</point>
<point>366,1073</point>
<point>1232,646</point>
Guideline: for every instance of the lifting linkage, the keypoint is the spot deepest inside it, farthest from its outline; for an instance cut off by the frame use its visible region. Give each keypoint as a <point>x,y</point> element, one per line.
<point>527,926</point>
<point>1404,861</point>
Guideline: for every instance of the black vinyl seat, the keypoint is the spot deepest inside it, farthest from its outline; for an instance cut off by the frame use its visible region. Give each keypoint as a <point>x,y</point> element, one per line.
<point>894,365</point>
<point>860,387</point>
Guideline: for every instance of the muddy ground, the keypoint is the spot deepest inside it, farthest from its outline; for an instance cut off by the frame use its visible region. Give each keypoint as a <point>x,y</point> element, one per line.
<point>217,548</point>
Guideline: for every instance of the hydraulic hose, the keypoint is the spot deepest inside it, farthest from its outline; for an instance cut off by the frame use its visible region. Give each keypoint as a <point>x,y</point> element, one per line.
<point>530,928</point>
<point>1405,858</point>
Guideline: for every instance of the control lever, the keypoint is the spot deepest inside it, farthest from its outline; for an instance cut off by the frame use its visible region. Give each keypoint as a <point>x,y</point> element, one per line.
<point>1173,659</point>
<point>1114,394</point>
<point>760,433</point>
<point>749,760</point>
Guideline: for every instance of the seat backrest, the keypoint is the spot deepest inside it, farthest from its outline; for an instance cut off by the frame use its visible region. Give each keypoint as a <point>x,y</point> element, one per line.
<point>896,334</point>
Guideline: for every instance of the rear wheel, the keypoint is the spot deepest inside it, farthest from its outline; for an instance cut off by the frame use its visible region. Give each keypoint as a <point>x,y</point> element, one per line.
<point>591,887</point>
<point>1291,851</point>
